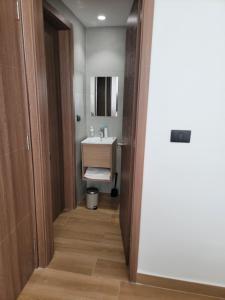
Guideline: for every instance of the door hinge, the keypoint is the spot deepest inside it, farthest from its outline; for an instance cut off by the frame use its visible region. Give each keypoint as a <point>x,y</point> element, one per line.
<point>28,142</point>
<point>18,10</point>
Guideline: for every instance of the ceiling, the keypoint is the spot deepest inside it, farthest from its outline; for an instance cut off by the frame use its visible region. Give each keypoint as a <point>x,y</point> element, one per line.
<point>116,11</point>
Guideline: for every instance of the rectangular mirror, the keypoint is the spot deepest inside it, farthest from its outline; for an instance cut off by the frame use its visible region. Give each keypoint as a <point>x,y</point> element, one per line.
<point>104,96</point>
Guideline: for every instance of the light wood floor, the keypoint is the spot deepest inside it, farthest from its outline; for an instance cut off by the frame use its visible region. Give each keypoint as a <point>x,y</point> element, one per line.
<point>89,262</point>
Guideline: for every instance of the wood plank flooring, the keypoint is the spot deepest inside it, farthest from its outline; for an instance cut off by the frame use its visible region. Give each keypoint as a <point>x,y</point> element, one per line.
<point>89,262</point>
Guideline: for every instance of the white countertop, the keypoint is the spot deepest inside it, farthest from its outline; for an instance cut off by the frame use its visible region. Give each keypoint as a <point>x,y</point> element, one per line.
<point>101,141</point>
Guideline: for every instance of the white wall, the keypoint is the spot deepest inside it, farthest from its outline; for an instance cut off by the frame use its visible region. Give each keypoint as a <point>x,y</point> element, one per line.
<point>183,208</point>
<point>78,86</point>
<point>105,56</point>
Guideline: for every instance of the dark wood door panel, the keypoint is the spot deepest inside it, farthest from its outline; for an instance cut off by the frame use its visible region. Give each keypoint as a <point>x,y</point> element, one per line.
<point>129,122</point>
<point>10,283</point>
<point>16,266</point>
<point>16,184</point>
<point>24,237</point>
<point>10,47</point>
<point>55,118</point>
<point>68,115</point>
<point>13,124</point>
<point>4,209</point>
<point>16,222</point>
<point>17,190</point>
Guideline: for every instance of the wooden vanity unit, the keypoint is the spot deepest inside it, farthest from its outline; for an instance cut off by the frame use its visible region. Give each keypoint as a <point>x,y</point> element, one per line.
<point>99,153</point>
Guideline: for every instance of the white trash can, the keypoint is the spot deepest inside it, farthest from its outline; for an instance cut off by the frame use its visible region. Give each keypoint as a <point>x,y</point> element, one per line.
<point>92,198</point>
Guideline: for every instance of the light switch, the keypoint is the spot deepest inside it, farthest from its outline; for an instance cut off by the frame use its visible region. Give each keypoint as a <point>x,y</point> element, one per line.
<point>180,136</point>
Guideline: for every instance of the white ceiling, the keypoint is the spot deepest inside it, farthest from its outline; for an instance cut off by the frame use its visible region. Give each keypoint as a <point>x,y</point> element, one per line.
<point>116,11</point>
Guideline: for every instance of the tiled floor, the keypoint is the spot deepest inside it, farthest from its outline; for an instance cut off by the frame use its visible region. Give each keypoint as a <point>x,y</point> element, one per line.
<point>89,262</point>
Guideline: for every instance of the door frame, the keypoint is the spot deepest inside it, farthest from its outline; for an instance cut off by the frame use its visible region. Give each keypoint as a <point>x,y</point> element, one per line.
<point>33,27</point>
<point>65,34</point>
<point>32,15</point>
<point>147,16</point>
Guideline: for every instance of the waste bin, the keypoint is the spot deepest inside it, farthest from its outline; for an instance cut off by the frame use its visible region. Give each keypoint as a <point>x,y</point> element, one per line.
<point>92,198</point>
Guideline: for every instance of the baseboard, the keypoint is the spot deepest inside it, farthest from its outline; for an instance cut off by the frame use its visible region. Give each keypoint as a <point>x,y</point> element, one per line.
<point>185,286</point>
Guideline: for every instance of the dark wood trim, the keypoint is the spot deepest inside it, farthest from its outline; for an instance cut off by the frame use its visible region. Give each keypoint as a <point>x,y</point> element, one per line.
<point>55,17</point>
<point>180,285</point>
<point>68,116</point>
<point>141,118</point>
<point>34,49</point>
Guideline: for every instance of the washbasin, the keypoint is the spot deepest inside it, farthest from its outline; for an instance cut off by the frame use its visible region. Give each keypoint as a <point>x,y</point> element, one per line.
<point>98,140</point>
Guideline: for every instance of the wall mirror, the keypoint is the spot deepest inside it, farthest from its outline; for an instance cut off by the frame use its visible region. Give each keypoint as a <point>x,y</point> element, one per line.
<point>104,96</point>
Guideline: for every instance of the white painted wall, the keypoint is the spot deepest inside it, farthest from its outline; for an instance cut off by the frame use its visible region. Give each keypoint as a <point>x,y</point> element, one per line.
<point>78,86</point>
<point>183,208</point>
<point>105,56</point>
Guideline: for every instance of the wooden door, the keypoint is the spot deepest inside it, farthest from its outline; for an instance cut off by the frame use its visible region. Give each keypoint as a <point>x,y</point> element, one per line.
<point>129,122</point>
<point>55,118</point>
<point>17,230</point>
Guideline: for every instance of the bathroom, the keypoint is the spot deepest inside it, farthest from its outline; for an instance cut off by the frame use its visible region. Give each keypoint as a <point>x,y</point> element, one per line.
<point>104,64</point>
<point>99,51</point>
<point>105,57</point>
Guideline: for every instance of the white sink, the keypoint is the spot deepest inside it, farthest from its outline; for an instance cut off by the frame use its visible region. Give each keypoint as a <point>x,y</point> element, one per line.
<point>98,140</point>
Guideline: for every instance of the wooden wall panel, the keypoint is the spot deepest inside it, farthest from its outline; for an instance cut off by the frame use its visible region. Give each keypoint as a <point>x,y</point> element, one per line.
<point>17,233</point>
<point>68,116</point>
<point>55,119</point>
<point>142,108</point>
<point>129,122</point>
<point>138,52</point>
<point>33,36</point>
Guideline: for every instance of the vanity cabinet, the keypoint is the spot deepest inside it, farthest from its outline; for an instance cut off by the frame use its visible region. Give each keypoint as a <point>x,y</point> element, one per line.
<point>98,155</point>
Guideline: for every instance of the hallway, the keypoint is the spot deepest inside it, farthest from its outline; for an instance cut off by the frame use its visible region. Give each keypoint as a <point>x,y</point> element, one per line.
<point>89,261</point>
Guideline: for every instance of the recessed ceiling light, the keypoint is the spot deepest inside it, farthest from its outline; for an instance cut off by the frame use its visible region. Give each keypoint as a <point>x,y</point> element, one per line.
<point>101,18</point>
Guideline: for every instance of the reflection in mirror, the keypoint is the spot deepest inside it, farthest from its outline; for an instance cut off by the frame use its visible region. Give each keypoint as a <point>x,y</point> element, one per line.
<point>104,96</point>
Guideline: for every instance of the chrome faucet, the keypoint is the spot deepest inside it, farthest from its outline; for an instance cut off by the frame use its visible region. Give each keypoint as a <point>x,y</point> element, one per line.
<point>101,133</point>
